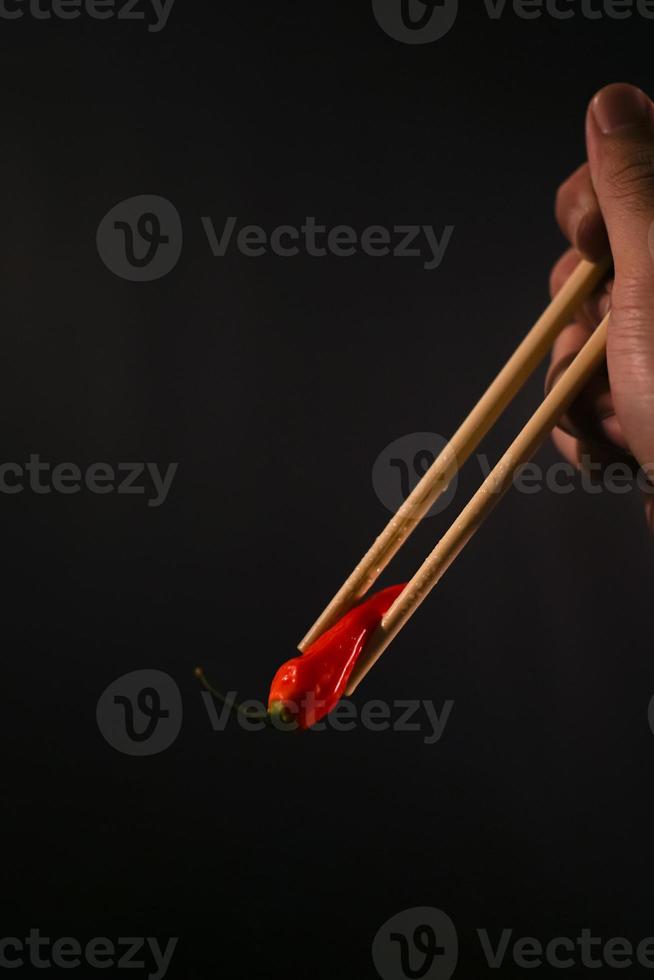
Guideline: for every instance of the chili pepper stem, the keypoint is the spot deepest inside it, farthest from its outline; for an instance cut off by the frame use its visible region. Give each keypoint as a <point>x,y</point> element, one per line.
<point>233,706</point>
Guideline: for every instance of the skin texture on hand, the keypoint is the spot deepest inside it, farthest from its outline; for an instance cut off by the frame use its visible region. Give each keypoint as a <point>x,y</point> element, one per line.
<point>608,203</point>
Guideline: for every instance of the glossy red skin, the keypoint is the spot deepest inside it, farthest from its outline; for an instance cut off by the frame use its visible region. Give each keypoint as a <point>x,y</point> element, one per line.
<point>312,684</point>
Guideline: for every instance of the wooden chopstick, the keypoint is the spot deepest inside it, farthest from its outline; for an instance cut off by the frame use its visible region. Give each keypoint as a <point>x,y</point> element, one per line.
<point>463,443</point>
<point>487,496</point>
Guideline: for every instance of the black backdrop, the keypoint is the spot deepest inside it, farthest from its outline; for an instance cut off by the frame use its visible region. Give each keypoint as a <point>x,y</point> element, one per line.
<point>274,384</point>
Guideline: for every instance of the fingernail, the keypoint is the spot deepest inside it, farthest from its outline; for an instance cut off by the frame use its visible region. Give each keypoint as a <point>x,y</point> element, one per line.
<point>619,107</point>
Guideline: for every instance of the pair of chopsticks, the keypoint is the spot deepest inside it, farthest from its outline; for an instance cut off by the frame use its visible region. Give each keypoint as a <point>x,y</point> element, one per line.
<point>463,443</point>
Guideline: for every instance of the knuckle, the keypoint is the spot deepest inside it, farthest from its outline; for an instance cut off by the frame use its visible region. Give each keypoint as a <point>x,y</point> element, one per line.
<point>631,325</point>
<point>632,181</point>
<point>633,295</point>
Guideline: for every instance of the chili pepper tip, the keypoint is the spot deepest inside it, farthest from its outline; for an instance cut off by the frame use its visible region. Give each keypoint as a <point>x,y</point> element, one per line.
<point>278,711</point>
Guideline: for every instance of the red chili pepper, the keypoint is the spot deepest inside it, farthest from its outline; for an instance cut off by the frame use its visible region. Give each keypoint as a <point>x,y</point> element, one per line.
<point>307,687</point>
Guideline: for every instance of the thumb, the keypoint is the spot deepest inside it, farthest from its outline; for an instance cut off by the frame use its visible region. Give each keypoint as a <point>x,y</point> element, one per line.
<point>620,139</point>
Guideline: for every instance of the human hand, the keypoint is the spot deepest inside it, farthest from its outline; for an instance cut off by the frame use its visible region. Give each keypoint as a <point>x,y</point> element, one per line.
<point>609,204</point>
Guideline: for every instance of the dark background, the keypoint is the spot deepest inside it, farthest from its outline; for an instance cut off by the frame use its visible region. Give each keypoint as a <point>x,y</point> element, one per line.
<point>275,383</point>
